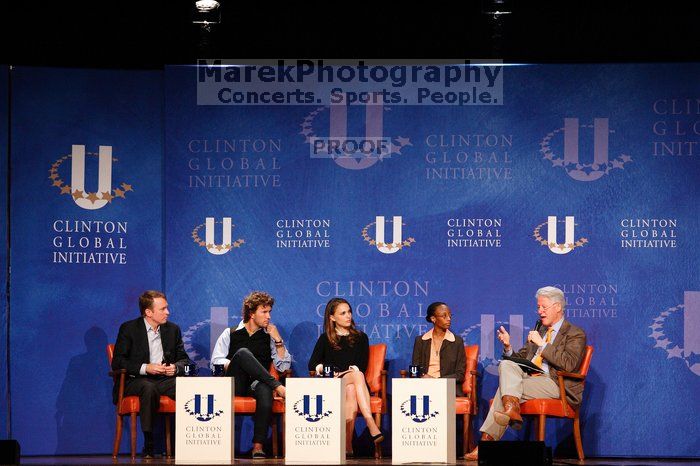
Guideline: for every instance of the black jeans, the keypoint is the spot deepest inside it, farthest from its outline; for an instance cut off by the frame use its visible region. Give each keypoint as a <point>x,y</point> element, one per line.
<point>149,389</point>
<point>247,370</point>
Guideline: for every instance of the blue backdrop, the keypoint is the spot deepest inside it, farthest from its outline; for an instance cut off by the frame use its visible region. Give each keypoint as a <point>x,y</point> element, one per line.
<point>608,152</point>
<point>77,272</point>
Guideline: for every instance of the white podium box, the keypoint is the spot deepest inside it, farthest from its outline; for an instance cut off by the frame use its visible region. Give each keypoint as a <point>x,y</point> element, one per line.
<point>423,421</point>
<point>315,421</point>
<point>204,427</point>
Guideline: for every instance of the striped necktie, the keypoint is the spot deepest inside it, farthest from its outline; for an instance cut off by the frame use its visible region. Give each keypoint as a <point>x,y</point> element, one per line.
<point>547,339</point>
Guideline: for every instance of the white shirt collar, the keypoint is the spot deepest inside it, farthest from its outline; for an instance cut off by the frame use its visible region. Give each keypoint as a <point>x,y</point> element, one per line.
<point>148,327</point>
<point>449,336</point>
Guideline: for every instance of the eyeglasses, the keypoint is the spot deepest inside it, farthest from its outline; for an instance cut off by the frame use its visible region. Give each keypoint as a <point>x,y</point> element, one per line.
<point>545,308</point>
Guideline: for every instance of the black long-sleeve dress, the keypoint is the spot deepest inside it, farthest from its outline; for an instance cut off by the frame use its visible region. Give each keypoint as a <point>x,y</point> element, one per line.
<point>343,358</point>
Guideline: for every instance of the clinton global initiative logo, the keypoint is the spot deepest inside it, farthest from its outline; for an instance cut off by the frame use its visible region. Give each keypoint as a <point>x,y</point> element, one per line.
<point>680,320</point>
<point>351,152</point>
<point>209,243</point>
<point>418,408</point>
<point>551,242</point>
<point>90,200</point>
<point>486,338</point>
<point>379,240</point>
<point>310,407</point>
<point>202,408</point>
<point>565,141</point>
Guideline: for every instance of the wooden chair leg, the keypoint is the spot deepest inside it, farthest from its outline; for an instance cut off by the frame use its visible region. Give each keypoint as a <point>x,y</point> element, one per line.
<point>577,439</point>
<point>133,435</point>
<point>468,434</point>
<point>283,433</point>
<point>541,424</point>
<point>275,438</point>
<point>168,446</point>
<point>117,436</point>
<point>465,435</point>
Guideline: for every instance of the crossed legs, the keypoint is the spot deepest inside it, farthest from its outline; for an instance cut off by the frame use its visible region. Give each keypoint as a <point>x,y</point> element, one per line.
<point>512,381</point>
<point>357,398</point>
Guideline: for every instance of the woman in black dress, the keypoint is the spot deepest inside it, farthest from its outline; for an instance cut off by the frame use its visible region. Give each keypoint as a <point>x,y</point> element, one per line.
<point>346,348</point>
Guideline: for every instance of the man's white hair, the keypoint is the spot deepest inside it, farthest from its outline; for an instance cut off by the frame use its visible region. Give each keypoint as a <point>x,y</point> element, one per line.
<point>554,294</point>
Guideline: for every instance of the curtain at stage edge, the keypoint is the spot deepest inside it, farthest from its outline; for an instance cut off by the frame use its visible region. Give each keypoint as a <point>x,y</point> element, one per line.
<point>86,241</point>
<point>4,155</point>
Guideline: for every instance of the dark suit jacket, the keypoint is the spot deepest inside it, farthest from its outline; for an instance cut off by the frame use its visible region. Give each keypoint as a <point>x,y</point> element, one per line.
<point>131,349</point>
<point>453,361</point>
<point>565,354</point>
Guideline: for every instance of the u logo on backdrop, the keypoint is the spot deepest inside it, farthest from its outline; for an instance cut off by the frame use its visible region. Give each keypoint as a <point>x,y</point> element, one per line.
<point>551,242</point>
<point>82,198</point>
<point>487,340</point>
<point>352,152</point>
<point>209,243</point>
<point>379,240</point>
<point>570,162</point>
<point>666,326</point>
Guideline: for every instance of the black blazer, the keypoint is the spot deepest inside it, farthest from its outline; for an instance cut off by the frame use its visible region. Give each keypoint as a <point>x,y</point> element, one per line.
<point>453,361</point>
<point>131,349</point>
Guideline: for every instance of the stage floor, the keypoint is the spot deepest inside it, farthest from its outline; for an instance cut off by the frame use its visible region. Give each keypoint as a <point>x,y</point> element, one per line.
<point>107,460</point>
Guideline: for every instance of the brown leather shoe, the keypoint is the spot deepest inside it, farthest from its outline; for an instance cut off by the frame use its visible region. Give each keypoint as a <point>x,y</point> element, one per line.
<point>510,416</point>
<point>474,454</point>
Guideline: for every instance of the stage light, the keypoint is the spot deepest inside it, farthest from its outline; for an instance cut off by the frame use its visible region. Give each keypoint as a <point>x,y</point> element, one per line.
<point>207,12</point>
<point>496,7</point>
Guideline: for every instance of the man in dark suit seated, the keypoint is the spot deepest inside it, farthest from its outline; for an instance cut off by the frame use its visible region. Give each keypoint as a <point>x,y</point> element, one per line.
<point>151,350</point>
<point>556,345</point>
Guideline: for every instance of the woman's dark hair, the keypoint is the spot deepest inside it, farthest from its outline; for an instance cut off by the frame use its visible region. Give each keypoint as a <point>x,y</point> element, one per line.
<point>329,326</point>
<point>431,310</point>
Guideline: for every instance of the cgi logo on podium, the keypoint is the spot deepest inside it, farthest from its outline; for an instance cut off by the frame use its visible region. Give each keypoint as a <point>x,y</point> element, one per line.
<point>311,408</point>
<point>226,244</point>
<point>82,198</point>
<point>418,408</point>
<point>194,407</point>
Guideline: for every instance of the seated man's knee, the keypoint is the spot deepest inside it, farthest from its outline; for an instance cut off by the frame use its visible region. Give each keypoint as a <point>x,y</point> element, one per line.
<point>263,395</point>
<point>505,364</point>
<point>243,352</point>
<point>150,391</point>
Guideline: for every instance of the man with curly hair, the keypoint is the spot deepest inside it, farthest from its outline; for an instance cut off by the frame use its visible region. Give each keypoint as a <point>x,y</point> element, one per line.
<point>246,353</point>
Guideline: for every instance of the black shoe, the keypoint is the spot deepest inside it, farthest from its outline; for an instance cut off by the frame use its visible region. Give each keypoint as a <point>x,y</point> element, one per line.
<point>379,438</point>
<point>148,446</point>
<point>259,455</point>
<point>349,454</point>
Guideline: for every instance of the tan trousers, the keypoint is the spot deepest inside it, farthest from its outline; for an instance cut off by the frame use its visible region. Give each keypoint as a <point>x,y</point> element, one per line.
<point>512,381</point>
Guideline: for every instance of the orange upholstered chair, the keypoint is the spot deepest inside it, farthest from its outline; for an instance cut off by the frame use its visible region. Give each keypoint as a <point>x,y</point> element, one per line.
<point>559,407</point>
<point>130,406</point>
<point>246,405</point>
<point>375,375</point>
<point>467,405</point>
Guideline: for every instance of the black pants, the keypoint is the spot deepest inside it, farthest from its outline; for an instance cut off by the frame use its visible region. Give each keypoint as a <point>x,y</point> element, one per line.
<point>149,389</point>
<point>246,370</point>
